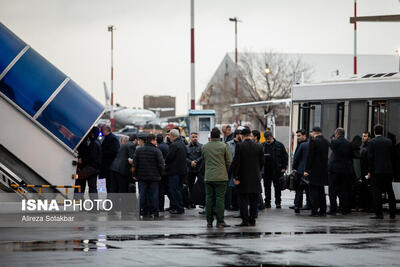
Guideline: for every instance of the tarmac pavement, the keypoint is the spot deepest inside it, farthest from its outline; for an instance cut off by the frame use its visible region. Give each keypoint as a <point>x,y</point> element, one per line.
<point>279,238</point>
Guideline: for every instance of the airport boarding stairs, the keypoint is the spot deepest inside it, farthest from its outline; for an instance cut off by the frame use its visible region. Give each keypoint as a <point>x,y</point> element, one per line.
<point>44,117</point>
<point>15,172</point>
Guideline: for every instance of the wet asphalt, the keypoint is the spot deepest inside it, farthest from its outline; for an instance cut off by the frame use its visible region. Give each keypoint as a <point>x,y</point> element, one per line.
<point>280,238</point>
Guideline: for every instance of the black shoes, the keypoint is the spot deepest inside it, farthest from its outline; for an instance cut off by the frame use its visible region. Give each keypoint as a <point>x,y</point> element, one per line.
<point>278,206</point>
<point>292,207</point>
<point>392,216</point>
<point>209,225</point>
<point>332,212</point>
<point>296,210</point>
<point>267,206</point>
<point>177,211</point>
<point>377,217</point>
<point>243,224</point>
<point>306,207</point>
<point>222,225</point>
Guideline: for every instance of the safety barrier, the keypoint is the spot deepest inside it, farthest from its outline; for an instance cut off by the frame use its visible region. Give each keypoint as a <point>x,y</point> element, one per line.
<point>17,187</point>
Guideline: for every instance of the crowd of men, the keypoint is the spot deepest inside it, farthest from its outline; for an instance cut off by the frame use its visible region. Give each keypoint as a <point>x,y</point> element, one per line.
<point>227,173</point>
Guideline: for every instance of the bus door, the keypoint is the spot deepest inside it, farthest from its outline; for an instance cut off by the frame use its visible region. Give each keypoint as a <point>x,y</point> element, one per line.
<point>379,114</point>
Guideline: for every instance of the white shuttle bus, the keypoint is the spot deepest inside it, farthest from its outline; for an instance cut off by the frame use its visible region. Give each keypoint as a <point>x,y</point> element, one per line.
<point>356,104</point>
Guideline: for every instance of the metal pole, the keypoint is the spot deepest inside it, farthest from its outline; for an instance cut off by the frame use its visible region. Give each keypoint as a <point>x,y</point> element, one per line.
<point>236,77</point>
<point>355,36</point>
<point>192,69</point>
<point>291,124</point>
<point>111,29</point>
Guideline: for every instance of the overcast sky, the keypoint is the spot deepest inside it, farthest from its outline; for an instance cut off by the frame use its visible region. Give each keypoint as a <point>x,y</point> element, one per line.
<point>152,41</point>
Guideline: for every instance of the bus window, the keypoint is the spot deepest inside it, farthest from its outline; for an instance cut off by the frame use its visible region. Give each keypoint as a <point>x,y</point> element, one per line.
<point>379,111</point>
<point>310,116</point>
<point>315,116</point>
<point>340,115</point>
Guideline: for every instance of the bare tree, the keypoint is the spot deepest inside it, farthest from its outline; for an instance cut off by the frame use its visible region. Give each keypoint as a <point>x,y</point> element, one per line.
<point>261,86</point>
<point>253,83</point>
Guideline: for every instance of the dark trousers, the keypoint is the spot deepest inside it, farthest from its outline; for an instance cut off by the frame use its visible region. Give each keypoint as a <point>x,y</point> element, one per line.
<point>163,189</point>
<point>333,189</point>
<point>268,181</point>
<point>176,189</point>
<point>191,179</point>
<point>345,184</point>
<point>340,186</point>
<point>382,183</point>
<point>215,193</point>
<point>298,198</point>
<point>247,200</point>
<point>148,197</point>
<point>119,184</point>
<point>108,182</point>
<point>366,195</point>
<point>235,198</point>
<point>318,199</point>
<point>92,183</point>
<point>228,197</point>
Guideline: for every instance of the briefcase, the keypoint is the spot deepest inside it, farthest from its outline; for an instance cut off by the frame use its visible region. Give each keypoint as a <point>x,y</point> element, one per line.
<point>86,172</point>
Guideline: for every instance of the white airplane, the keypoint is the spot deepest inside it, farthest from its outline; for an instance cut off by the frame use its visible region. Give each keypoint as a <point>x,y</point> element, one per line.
<point>130,116</point>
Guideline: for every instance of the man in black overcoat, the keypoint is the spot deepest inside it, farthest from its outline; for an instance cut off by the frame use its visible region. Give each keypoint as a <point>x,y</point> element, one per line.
<point>109,147</point>
<point>316,171</point>
<point>247,164</point>
<point>380,158</point>
<point>342,168</point>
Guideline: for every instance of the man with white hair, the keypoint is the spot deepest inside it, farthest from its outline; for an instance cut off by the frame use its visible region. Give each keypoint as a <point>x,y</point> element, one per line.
<point>176,170</point>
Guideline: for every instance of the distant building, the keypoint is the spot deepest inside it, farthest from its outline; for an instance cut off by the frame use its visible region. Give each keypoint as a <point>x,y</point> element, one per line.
<point>219,93</point>
<point>157,103</point>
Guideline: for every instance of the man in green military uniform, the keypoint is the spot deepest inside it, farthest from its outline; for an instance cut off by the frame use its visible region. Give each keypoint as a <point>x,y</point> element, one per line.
<point>217,158</point>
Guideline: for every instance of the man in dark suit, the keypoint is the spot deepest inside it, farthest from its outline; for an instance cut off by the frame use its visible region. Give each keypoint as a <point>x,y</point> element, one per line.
<point>149,163</point>
<point>120,167</point>
<point>341,168</point>
<point>89,152</point>
<point>380,158</point>
<point>176,170</point>
<point>163,187</point>
<point>316,171</point>
<point>109,147</point>
<point>299,163</point>
<point>247,164</point>
<point>121,176</point>
<point>193,162</point>
<point>276,160</point>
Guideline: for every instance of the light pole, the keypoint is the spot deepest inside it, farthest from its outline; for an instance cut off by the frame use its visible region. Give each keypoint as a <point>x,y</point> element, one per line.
<point>267,71</point>
<point>111,29</point>
<point>192,72</point>
<point>398,54</point>
<point>355,37</point>
<point>236,20</point>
